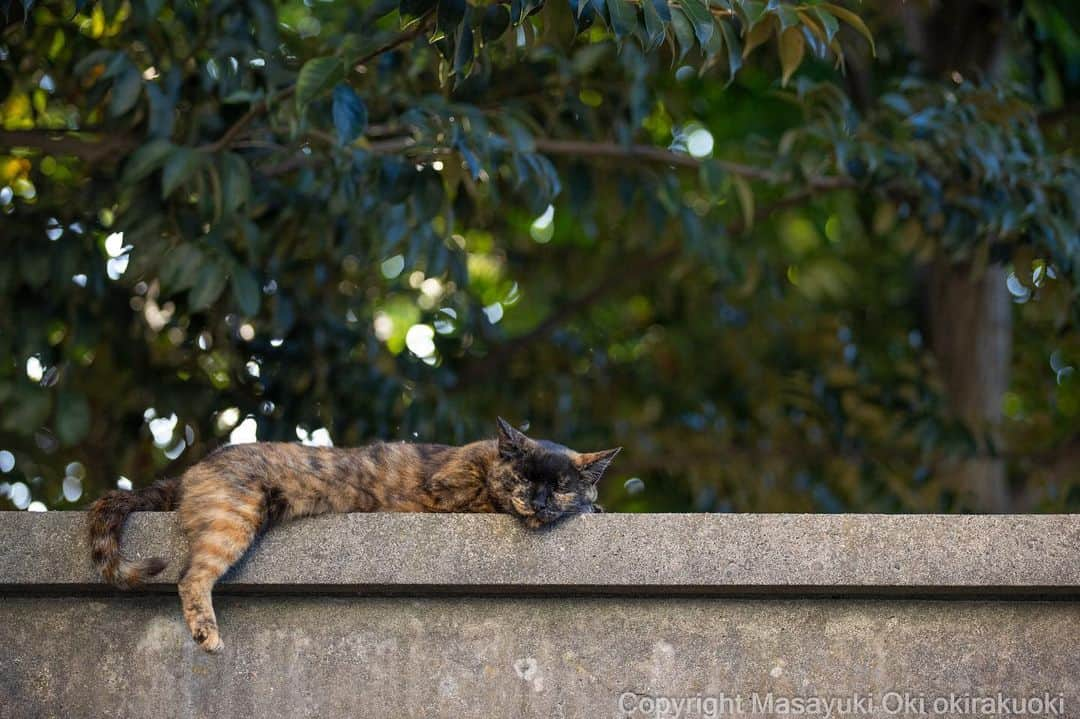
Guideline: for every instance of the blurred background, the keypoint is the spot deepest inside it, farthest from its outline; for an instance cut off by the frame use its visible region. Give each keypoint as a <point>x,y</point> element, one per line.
<point>805,256</point>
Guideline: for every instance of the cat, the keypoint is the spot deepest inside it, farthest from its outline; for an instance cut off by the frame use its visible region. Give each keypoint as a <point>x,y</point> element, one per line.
<point>236,492</point>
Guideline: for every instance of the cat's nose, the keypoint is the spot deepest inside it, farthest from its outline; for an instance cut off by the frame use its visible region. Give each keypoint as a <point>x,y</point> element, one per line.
<point>540,499</point>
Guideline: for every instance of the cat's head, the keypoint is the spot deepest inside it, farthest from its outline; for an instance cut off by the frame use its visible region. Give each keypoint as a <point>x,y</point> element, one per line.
<point>544,482</point>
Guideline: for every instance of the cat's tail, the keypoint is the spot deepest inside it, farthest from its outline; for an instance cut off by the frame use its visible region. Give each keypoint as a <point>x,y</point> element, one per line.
<point>107,517</point>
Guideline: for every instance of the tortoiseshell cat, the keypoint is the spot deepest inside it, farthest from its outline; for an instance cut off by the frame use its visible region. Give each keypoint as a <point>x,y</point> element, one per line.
<point>229,497</point>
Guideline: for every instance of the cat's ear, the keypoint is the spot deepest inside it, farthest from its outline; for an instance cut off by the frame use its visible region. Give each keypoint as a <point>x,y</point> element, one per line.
<point>592,465</point>
<point>512,442</point>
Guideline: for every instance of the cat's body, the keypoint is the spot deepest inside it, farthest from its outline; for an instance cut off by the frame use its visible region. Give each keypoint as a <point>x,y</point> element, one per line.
<point>233,494</point>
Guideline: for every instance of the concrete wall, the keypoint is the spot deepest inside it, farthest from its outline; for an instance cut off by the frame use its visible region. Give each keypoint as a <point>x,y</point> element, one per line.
<point>607,616</point>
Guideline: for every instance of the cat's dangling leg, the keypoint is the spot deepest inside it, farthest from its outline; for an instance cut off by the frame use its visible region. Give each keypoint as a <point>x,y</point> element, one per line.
<point>220,518</point>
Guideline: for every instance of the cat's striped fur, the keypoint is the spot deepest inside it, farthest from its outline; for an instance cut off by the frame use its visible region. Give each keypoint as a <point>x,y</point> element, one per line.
<point>225,500</point>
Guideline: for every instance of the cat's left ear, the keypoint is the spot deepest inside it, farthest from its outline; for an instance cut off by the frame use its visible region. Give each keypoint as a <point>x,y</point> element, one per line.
<point>512,442</point>
<point>592,465</point>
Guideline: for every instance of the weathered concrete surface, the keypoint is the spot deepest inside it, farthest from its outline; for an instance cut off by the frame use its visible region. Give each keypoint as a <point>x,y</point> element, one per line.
<point>295,657</point>
<point>863,609</point>
<point>633,554</point>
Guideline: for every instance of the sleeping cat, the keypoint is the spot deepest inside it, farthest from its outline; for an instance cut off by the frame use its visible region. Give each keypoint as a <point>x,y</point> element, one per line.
<point>225,500</point>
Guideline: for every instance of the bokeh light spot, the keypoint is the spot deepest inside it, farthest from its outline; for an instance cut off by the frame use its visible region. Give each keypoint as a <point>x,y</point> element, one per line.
<point>34,369</point>
<point>420,339</point>
<point>494,312</point>
<point>543,227</point>
<point>114,244</point>
<point>246,432</point>
<point>699,142</point>
<point>317,438</point>
<point>19,494</point>
<point>72,488</point>
<point>392,267</point>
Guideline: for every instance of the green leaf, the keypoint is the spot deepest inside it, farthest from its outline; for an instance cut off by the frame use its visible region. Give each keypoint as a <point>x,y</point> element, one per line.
<point>353,47</point>
<point>412,10</point>
<point>684,34</point>
<point>464,51</point>
<point>449,15</point>
<point>754,11</point>
<point>445,46</point>
<point>520,138</point>
<point>209,285</point>
<point>264,25</point>
<point>584,14</point>
<point>746,200</point>
<point>246,290</point>
<point>349,113</point>
<point>72,418</point>
<point>787,16</point>
<point>712,175</point>
<point>117,65</point>
<point>897,103</point>
<point>758,35</point>
<point>697,12</point>
<point>494,22</point>
<point>145,160</point>
<point>624,19</point>
<point>162,111</point>
<point>854,20</point>
<point>125,91</point>
<point>521,9</point>
<point>180,268</point>
<point>235,181</point>
<point>180,166</point>
<point>654,25</point>
<point>792,50</point>
<point>427,195</point>
<point>87,63</point>
<point>829,22</point>
<point>317,76</point>
<point>396,179</point>
<point>734,49</point>
<point>816,32</point>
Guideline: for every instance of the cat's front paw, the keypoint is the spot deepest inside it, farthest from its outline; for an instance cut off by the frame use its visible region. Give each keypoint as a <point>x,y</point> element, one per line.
<point>208,640</point>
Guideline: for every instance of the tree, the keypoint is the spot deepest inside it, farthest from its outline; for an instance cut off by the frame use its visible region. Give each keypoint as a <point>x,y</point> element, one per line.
<point>679,226</point>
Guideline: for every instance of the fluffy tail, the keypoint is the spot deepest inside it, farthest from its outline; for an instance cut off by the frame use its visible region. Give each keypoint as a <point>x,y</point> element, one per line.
<point>107,516</point>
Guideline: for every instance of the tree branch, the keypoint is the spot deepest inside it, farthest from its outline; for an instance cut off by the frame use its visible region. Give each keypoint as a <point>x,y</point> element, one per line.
<point>88,146</point>
<point>95,148</point>
<point>586,148</point>
<point>600,150</point>
<point>389,146</point>
<point>650,153</point>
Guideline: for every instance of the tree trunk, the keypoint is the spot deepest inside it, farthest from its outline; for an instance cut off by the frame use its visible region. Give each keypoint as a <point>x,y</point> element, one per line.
<point>971,336</point>
<point>970,314</point>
